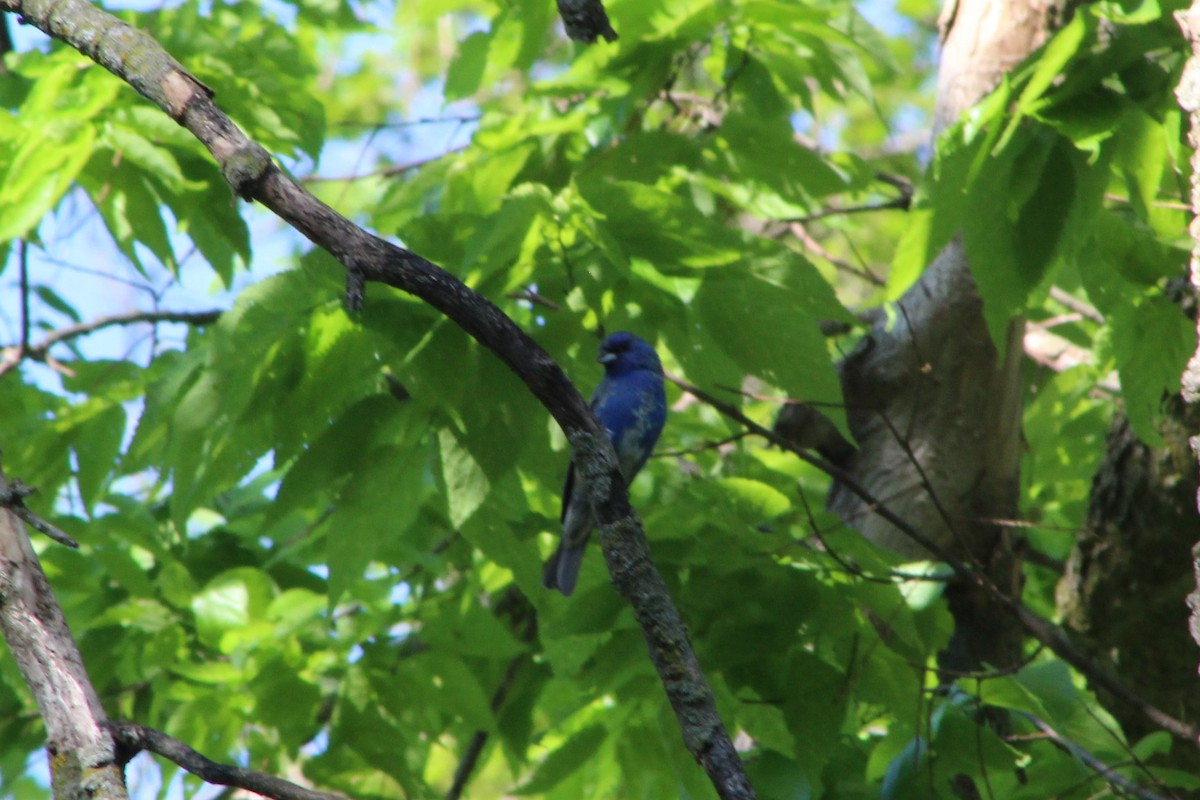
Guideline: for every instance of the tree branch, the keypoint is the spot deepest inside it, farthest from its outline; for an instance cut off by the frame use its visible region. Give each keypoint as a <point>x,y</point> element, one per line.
<point>41,351</point>
<point>133,738</point>
<point>902,203</point>
<point>1096,765</point>
<point>140,61</point>
<point>83,763</point>
<point>1039,627</point>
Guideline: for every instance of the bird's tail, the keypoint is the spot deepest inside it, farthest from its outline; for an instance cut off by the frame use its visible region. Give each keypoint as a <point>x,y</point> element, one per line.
<point>563,567</point>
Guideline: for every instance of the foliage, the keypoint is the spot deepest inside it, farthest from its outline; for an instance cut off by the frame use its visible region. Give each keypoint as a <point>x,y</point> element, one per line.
<point>313,539</point>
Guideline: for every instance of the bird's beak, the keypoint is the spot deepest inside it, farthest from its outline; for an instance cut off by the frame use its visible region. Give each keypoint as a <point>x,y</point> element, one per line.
<point>607,358</point>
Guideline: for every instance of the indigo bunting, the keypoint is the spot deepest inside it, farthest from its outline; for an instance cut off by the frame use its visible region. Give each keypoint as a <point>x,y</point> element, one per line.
<point>632,406</point>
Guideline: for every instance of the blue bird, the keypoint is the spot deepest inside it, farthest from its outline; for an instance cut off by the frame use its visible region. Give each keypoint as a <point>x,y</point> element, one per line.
<point>632,406</point>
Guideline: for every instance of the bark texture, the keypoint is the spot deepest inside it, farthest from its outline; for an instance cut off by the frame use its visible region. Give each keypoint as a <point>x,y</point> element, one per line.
<point>1130,572</point>
<point>935,407</point>
<point>1188,94</point>
<point>82,755</point>
<point>1138,559</point>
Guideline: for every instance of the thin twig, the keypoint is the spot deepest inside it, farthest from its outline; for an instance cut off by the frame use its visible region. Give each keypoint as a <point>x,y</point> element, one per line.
<point>459,119</point>
<point>385,172</point>
<point>41,350</point>
<point>13,498</point>
<point>899,203</point>
<point>1067,299</point>
<point>1123,745</point>
<point>470,759</point>
<point>532,297</point>
<point>927,485</point>
<point>851,568</point>
<point>511,604</point>
<point>834,472</point>
<point>798,230</point>
<point>133,738</point>
<point>898,181</point>
<point>23,263</point>
<point>702,448</point>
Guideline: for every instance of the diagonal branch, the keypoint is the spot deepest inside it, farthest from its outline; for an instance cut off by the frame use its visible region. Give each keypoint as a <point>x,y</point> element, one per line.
<point>1038,626</point>
<point>1096,765</point>
<point>140,61</point>
<point>133,738</point>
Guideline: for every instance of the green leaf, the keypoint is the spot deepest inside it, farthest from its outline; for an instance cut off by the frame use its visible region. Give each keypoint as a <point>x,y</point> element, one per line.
<point>129,144</point>
<point>97,444</point>
<point>42,169</point>
<point>759,499</point>
<point>286,701</point>
<point>466,71</point>
<point>1149,374</point>
<point>466,484</point>
<point>1009,259</point>
<point>52,299</point>
<point>1141,158</point>
<point>1048,68</point>
<point>564,760</point>
<point>230,601</point>
<point>769,328</point>
<point>374,511</point>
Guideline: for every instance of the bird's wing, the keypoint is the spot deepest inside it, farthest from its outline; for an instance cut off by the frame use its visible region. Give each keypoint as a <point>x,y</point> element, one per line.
<point>633,410</point>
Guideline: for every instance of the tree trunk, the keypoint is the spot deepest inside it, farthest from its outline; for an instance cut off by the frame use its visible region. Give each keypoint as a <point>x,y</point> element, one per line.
<point>936,409</point>
<point>1128,574</point>
<point>1188,94</point>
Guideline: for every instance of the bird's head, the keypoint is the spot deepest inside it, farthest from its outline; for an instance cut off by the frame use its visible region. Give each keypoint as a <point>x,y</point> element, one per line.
<point>622,353</point>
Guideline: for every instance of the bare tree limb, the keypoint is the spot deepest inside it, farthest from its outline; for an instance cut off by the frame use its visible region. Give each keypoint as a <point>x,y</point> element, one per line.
<point>140,61</point>
<point>41,350</point>
<point>133,738</point>
<point>83,762</point>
